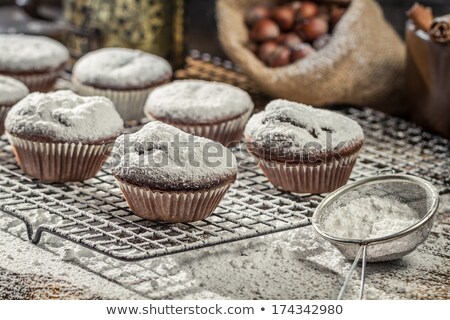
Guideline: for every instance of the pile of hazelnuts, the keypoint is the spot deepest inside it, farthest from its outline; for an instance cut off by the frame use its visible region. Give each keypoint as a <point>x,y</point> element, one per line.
<point>289,32</point>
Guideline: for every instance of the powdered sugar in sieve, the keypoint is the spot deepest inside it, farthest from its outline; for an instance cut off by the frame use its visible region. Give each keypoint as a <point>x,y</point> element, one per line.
<point>379,218</point>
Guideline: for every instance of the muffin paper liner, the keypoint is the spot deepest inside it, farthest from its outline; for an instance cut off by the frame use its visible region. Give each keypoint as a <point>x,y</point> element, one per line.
<point>3,112</point>
<point>172,206</point>
<point>57,162</point>
<point>308,178</point>
<point>226,132</point>
<point>129,103</point>
<point>40,82</point>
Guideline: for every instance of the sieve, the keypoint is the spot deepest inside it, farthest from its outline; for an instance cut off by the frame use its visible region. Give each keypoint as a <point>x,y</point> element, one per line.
<point>417,193</point>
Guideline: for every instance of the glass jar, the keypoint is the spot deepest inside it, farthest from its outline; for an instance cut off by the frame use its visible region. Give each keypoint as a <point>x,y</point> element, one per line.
<point>154,26</point>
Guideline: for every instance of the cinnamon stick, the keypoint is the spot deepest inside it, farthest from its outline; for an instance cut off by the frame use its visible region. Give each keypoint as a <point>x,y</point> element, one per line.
<point>421,16</point>
<point>440,29</point>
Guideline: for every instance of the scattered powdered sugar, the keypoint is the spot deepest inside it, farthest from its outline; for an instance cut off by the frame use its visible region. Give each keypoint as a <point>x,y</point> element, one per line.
<point>296,264</point>
<point>65,116</point>
<point>121,68</point>
<point>23,257</point>
<point>11,90</point>
<point>162,156</point>
<point>298,126</point>
<point>75,254</point>
<point>36,218</point>
<point>198,101</point>
<point>369,217</point>
<point>30,53</point>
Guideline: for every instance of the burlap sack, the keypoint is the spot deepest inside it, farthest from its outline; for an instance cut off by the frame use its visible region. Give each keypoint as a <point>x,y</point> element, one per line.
<point>362,65</point>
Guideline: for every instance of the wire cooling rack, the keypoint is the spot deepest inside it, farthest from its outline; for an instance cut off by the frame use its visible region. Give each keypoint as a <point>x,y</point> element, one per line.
<point>94,214</point>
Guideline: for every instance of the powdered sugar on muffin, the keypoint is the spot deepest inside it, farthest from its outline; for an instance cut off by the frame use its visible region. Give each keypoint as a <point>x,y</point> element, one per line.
<point>296,126</point>
<point>64,116</point>
<point>162,157</point>
<point>198,101</point>
<point>23,53</point>
<point>11,90</point>
<point>121,68</point>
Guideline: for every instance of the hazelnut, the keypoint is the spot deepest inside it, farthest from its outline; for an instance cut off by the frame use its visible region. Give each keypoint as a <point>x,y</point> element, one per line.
<point>336,14</point>
<point>265,29</point>
<point>256,13</point>
<point>322,41</point>
<point>307,10</point>
<point>284,17</point>
<point>301,51</point>
<point>290,40</point>
<point>313,28</point>
<point>280,57</point>
<point>266,50</point>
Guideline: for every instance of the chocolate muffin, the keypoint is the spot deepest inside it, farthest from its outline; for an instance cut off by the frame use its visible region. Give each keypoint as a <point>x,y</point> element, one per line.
<point>35,61</point>
<point>214,110</point>
<point>11,92</point>
<point>303,149</point>
<point>125,76</point>
<point>61,136</point>
<point>168,175</point>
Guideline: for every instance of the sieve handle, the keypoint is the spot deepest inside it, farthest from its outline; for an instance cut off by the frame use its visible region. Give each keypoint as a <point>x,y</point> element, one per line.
<point>363,271</point>
<point>361,252</point>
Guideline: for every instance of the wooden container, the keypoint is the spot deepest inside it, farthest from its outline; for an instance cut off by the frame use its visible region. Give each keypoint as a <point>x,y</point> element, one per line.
<point>428,80</point>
